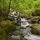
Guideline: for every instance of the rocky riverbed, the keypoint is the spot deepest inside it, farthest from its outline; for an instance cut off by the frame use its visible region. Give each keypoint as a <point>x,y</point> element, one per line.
<point>23,32</point>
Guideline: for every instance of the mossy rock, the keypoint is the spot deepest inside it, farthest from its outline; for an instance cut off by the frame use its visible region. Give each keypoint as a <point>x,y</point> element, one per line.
<point>36,29</point>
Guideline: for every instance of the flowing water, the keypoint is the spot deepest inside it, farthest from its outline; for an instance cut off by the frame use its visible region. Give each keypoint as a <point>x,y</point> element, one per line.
<point>23,32</point>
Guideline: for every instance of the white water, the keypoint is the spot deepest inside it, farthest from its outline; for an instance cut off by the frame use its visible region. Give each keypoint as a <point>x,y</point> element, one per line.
<point>25,31</point>
<point>32,37</point>
<point>29,36</point>
<point>24,23</point>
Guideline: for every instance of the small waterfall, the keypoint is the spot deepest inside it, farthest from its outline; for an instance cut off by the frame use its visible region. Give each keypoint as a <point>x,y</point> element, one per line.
<point>23,31</point>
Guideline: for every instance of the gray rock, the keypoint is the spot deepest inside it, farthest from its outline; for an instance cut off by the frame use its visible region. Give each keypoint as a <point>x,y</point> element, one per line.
<point>15,37</point>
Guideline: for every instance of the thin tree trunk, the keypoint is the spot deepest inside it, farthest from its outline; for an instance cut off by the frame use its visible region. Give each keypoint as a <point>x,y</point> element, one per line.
<point>9,6</point>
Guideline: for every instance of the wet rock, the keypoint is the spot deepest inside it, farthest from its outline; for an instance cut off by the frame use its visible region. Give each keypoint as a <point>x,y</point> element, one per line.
<point>15,37</point>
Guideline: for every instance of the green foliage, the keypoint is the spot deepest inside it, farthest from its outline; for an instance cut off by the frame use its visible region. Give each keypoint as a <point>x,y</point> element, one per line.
<point>4,8</point>
<point>6,26</point>
<point>36,12</point>
<point>4,3</point>
<point>3,35</point>
<point>25,6</point>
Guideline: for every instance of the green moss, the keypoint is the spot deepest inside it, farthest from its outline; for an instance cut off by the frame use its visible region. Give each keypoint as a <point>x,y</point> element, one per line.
<point>36,29</point>
<point>36,26</point>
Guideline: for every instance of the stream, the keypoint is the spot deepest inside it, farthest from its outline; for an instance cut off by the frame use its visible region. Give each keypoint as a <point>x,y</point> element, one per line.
<point>23,32</point>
